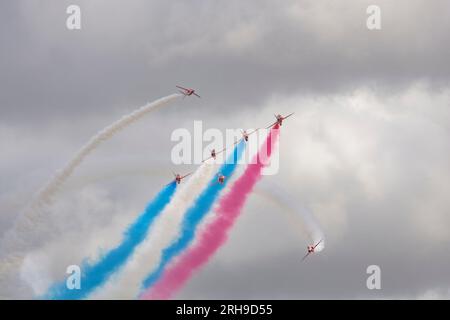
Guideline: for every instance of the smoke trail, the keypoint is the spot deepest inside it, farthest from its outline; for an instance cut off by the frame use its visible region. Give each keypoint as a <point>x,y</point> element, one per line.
<point>19,238</point>
<point>299,216</point>
<point>126,283</point>
<point>96,274</point>
<point>215,233</point>
<point>194,215</point>
<point>51,188</point>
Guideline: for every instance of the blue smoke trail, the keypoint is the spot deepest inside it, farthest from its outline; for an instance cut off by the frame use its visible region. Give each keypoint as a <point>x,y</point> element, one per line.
<point>96,274</point>
<point>195,214</point>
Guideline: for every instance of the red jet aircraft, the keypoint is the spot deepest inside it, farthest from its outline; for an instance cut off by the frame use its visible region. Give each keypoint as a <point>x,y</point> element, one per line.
<point>214,154</point>
<point>187,91</point>
<point>245,134</point>
<point>179,177</point>
<point>311,249</point>
<point>220,178</point>
<point>280,119</point>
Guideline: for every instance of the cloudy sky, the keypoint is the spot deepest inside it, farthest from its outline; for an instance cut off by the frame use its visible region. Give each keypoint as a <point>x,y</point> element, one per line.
<point>367,151</point>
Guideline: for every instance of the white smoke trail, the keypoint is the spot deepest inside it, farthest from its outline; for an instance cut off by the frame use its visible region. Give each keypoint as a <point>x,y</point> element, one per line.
<point>18,239</point>
<point>10,279</point>
<point>51,188</point>
<point>126,284</point>
<point>299,216</point>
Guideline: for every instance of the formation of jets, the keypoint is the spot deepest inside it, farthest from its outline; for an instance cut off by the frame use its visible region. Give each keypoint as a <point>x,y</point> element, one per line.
<point>214,153</point>
<point>245,135</point>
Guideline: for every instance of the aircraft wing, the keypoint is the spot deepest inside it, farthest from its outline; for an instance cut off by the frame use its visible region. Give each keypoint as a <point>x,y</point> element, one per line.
<point>318,243</point>
<point>272,125</point>
<point>217,152</point>
<point>288,115</point>
<point>186,175</point>
<point>210,157</point>
<point>305,256</point>
<point>249,133</point>
<point>221,151</point>
<point>196,94</point>
<point>179,87</point>
<point>253,131</point>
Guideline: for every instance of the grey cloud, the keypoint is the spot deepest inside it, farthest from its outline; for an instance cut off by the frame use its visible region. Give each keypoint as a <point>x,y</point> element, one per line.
<point>234,53</point>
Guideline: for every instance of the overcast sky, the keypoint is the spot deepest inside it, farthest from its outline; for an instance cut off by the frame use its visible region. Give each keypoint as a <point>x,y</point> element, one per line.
<point>367,151</point>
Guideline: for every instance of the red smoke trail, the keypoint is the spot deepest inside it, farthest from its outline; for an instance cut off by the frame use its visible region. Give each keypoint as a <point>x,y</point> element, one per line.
<point>215,234</point>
